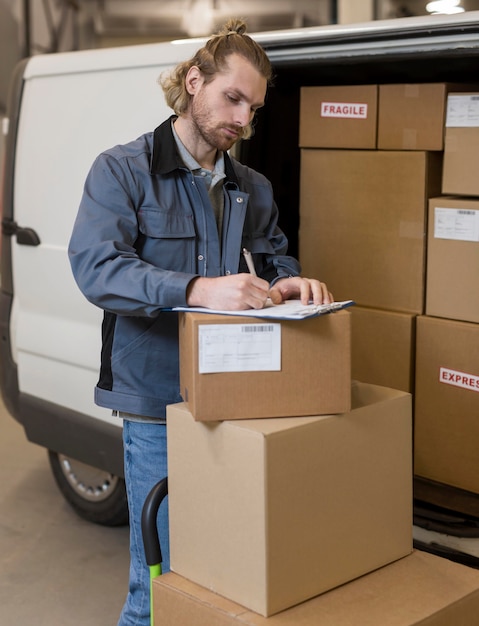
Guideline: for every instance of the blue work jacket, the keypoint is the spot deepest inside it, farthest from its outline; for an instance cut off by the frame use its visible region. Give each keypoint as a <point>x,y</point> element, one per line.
<point>145,228</point>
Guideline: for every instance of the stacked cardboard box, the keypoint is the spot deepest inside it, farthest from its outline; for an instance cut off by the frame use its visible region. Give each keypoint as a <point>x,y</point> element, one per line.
<point>254,368</point>
<point>383,347</point>
<point>363,223</point>
<point>339,117</point>
<point>461,147</point>
<point>375,226</point>
<point>244,483</point>
<point>416,590</point>
<point>271,512</point>
<point>453,259</point>
<point>447,386</point>
<point>363,213</point>
<point>447,402</point>
<point>411,116</point>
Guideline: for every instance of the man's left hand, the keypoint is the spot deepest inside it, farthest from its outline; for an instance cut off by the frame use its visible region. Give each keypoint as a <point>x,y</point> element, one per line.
<point>306,289</point>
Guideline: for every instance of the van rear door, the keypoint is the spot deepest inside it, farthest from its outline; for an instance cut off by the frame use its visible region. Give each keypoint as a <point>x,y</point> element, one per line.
<point>64,110</point>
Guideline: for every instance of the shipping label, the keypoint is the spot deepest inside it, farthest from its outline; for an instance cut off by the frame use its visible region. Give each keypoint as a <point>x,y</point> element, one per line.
<point>459,379</point>
<point>354,110</point>
<point>239,348</point>
<point>462,111</point>
<point>458,224</point>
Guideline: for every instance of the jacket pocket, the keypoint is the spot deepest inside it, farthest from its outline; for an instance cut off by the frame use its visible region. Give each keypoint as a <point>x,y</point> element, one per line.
<point>160,223</point>
<point>167,239</point>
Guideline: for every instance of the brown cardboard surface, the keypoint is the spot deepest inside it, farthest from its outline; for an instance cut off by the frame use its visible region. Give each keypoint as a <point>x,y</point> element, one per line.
<point>418,590</point>
<point>271,512</point>
<point>446,415</point>
<point>452,264</point>
<point>342,116</point>
<point>363,223</point>
<point>315,375</point>
<point>461,153</point>
<point>412,116</point>
<point>383,347</point>
<point>461,146</point>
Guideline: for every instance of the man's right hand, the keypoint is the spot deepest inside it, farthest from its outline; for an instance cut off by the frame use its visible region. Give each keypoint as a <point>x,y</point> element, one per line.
<point>228,293</point>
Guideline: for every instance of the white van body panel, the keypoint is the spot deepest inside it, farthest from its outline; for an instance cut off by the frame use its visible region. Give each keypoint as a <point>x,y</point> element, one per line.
<point>73,107</point>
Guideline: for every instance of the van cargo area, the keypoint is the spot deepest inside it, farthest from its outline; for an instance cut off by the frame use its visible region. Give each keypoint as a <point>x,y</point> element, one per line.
<point>413,50</point>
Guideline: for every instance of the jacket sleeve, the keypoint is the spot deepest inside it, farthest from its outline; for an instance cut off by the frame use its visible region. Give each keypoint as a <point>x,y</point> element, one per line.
<point>279,265</point>
<point>102,251</point>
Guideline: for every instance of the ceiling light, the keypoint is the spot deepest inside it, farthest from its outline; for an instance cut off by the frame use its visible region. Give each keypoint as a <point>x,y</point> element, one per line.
<point>199,19</point>
<point>450,11</point>
<point>444,6</point>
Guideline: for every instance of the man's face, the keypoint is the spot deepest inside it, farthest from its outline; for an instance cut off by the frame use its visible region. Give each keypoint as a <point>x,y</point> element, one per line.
<point>222,108</point>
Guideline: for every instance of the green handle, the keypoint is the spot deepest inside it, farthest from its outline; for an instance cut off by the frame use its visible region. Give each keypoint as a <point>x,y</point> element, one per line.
<point>155,570</point>
<point>151,541</point>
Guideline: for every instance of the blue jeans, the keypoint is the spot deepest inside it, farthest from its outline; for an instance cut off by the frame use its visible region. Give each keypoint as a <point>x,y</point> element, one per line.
<point>145,465</point>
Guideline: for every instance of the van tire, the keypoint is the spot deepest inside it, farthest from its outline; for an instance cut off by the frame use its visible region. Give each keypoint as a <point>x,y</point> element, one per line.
<point>95,495</point>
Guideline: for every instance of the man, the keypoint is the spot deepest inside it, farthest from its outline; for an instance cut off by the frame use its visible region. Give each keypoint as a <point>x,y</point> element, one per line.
<point>162,223</point>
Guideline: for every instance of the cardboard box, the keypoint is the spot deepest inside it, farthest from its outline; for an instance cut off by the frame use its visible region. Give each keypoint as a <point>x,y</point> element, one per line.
<point>420,589</point>
<point>271,512</point>
<point>452,255</point>
<point>447,402</point>
<point>461,145</point>
<point>314,376</point>
<point>412,116</point>
<point>343,116</point>
<point>363,224</point>
<point>383,346</point>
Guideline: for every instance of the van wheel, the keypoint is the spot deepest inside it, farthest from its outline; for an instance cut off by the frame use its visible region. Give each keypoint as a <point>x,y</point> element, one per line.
<point>95,495</point>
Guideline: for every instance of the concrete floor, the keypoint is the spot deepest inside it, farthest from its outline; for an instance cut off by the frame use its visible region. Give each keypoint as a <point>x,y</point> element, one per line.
<point>55,568</point>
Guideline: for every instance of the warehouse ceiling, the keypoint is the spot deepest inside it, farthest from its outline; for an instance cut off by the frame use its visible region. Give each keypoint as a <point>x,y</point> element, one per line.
<point>176,18</point>
<point>201,17</point>
<point>97,23</point>
<point>167,18</point>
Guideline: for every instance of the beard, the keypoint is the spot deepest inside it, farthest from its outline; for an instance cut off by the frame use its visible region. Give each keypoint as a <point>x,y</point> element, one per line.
<point>217,134</point>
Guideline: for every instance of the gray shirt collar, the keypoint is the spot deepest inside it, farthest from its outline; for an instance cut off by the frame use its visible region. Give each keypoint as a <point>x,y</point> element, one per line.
<point>192,164</point>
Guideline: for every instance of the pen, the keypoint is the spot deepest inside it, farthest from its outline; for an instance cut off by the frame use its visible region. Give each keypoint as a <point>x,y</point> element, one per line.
<point>249,261</point>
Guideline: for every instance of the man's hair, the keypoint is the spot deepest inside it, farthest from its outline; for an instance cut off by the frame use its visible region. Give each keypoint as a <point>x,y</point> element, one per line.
<point>212,58</point>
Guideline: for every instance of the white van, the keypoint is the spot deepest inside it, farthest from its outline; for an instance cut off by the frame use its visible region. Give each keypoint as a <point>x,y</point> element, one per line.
<point>64,109</point>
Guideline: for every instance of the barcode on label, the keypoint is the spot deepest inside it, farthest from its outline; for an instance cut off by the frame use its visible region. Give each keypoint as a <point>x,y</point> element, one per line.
<point>260,328</point>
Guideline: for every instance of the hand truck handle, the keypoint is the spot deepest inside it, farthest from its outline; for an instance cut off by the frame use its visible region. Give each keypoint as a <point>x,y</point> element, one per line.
<point>151,541</point>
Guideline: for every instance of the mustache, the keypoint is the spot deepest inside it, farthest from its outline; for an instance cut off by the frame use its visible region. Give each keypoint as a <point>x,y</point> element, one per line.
<point>242,131</point>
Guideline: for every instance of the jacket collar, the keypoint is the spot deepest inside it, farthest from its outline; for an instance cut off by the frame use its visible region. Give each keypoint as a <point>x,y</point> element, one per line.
<point>165,157</point>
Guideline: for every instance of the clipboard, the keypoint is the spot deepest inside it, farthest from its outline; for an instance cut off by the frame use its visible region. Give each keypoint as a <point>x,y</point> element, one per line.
<point>288,310</point>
